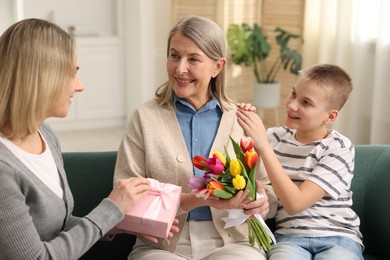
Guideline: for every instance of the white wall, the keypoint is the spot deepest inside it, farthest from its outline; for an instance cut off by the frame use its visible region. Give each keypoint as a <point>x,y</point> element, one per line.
<point>7,14</point>
<point>146,27</point>
<point>90,17</point>
<point>142,26</point>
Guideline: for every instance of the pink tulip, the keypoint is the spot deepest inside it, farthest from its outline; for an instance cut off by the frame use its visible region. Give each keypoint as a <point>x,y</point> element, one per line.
<point>196,182</point>
<point>215,164</point>
<point>210,175</point>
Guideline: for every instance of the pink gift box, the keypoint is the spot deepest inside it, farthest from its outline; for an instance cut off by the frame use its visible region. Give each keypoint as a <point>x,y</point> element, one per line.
<point>154,213</point>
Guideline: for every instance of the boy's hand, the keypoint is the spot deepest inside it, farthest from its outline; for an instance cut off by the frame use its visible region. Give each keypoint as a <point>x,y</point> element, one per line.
<point>253,127</point>
<point>246,107</point>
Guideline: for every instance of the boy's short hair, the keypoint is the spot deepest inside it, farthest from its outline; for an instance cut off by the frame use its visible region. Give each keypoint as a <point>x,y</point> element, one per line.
<point>333,79</point>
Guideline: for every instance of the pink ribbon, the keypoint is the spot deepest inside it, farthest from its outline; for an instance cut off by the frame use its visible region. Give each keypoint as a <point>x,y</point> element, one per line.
<point>165,197</point>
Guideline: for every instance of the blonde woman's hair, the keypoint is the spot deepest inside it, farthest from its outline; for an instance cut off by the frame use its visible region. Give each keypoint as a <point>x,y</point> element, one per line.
<point>37,60</point>
<point>333,79</point>
<point>209,37</point>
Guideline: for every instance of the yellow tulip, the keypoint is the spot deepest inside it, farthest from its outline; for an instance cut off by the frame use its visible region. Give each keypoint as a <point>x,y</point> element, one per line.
<point>239,182</point>
<point>220,156</point>
<point>235,167</point>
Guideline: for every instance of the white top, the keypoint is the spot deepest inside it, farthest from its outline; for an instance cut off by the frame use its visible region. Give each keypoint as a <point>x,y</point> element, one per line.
<point>42,165</point>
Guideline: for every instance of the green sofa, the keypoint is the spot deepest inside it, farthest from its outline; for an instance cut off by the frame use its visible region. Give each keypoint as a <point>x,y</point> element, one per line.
<point>90,178</point>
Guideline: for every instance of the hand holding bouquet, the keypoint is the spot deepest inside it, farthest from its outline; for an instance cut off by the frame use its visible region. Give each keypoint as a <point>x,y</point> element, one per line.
<point>224,177</point>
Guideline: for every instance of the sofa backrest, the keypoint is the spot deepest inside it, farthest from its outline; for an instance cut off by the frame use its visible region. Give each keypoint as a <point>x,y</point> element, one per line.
<point>90,177</point>
<point>371,196</point>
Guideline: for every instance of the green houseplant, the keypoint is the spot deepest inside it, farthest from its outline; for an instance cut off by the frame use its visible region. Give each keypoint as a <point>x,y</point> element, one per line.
<point>249,46</point>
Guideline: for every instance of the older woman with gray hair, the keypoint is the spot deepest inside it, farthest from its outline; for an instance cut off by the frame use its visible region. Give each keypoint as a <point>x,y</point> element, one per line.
<point>191,115</point>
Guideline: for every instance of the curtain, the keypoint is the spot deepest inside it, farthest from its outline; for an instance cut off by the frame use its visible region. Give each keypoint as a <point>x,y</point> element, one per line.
<point>353,35</point>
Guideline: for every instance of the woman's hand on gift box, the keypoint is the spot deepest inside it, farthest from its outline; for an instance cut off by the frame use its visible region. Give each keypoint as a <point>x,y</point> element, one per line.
<point>129,191</point>
<point>152,239</point>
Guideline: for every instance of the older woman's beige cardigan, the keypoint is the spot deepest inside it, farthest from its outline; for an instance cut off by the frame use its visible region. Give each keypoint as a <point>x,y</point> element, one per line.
<point>153,147</point>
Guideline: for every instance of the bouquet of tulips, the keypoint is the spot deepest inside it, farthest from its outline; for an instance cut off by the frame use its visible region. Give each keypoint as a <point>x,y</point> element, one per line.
<point>224,177</point>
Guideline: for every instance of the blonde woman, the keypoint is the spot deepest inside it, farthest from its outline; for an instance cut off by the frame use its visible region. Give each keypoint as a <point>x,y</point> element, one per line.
<point>38,79</point>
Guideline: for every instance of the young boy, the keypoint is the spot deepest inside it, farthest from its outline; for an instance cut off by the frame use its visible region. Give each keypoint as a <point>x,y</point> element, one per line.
<point>311,168</point>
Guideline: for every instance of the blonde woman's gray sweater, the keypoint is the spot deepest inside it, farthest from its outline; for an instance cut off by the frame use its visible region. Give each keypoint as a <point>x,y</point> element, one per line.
<point>37,224</point>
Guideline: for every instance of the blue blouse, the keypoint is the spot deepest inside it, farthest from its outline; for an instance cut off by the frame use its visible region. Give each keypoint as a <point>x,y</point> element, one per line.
<point>199,129</point>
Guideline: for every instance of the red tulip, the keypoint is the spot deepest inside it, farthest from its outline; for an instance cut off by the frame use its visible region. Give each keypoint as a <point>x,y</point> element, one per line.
<point>251,158</point>
<point>200,162</point>
<point>246,144</point>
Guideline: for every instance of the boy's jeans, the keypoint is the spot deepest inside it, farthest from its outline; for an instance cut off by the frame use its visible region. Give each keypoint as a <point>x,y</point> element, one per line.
<point>318,248</point>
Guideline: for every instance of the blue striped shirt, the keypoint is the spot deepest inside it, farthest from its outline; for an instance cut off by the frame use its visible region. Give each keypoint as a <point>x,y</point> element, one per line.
<point>199,129</point>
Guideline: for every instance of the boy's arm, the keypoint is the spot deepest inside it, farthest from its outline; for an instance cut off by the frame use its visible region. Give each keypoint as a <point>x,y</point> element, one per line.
<point>294,198</point>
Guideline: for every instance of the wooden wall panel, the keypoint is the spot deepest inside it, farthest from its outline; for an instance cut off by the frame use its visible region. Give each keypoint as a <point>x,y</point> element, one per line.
<point>206,8</point>
<point>290,16</point>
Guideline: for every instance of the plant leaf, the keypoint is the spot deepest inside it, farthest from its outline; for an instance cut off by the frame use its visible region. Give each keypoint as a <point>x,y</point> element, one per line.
<point>249,46</point>
<point>223,194</point>
<point>231,190</point>
<point>249,184</point>
<point>237,150</point>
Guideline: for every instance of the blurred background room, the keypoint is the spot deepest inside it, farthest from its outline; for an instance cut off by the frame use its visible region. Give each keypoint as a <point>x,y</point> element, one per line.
<point>122,51</point>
